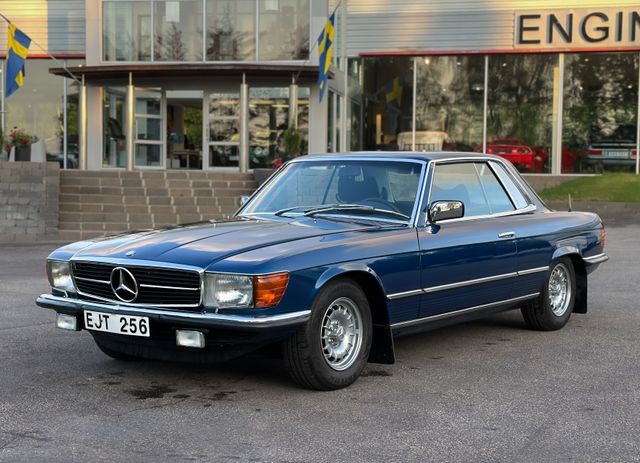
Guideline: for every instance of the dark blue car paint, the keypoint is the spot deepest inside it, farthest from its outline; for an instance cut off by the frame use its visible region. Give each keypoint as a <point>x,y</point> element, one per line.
<point>400,258</point>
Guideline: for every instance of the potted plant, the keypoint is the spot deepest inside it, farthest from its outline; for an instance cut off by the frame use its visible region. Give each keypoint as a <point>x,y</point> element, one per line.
<point>21,141</point>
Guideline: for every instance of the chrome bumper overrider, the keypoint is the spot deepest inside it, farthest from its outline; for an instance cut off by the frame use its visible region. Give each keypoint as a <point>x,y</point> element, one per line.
<point>597,259</point>
<point>199,319</point>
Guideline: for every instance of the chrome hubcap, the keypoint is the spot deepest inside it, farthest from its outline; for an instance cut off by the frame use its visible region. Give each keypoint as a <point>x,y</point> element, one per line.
<point>559,290</point>
<point>341,333</point>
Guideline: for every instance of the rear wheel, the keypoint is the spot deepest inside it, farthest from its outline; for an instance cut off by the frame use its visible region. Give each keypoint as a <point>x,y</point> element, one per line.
<point>331,350</point>
<point>551,311</point>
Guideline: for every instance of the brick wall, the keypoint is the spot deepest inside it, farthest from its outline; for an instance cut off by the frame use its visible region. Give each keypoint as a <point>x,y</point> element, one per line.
<point>29,193</point>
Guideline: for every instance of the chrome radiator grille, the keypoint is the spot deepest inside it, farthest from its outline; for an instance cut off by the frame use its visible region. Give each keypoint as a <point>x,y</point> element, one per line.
<point>156,287</point>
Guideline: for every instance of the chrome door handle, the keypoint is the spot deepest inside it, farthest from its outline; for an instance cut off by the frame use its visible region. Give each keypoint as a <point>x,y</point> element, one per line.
<point>507,235</point>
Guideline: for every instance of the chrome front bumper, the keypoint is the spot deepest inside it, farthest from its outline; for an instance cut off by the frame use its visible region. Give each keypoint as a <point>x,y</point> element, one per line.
<point>191,319</point>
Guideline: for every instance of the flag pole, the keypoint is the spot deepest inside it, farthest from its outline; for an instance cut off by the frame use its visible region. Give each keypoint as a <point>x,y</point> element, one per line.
<point>64,65</point>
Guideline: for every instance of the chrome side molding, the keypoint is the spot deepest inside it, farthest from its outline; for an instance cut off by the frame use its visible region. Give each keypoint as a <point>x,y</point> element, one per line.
<point>461,284</point>
<point>455,313</point>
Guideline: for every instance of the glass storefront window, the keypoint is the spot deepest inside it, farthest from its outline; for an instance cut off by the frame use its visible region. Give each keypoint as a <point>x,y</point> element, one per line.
<point>388,91</point>
<point>231,26</point>
<point>114,144</point>
<point>268,119</point>
<point>126,30</point>
<point>38,109</point>
<point>284,30</point>
<point>520,109</point>
<point>149,134</point>
<point>600,112</point>
<point>224,129</point>
<point>304,93</point>
<point>178,30</point>
<point>449,103</point>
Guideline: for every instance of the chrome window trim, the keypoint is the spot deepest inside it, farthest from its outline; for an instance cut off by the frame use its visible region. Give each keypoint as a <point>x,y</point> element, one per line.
<point>419,192</point>
<point>454,313</point>
<point>139,264</point>
<point>529,208</point>
<point>462,284</point>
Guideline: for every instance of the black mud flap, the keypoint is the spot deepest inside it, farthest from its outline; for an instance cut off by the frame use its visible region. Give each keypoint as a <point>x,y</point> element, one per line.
<point>382,350</point>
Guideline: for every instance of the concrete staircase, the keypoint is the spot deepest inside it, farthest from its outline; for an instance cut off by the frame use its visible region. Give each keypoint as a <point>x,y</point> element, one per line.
<point>98,203</point>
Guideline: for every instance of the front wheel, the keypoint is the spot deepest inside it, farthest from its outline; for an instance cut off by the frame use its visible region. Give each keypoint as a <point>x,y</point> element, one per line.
<point>331,350</point>
<point>551,311</point>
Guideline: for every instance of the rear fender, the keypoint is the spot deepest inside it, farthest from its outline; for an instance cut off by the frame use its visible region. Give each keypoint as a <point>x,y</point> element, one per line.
<point>580,270</point>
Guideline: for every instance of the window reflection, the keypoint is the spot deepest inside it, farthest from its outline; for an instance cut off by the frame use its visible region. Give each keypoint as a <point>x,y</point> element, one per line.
<point>231,30</point>
<point>449,103</point>
<point>38,108</point>
<point>600,112</point>
<point>388,90</point>
<point>268,119</point>
<point>224,129</point>
<point>126,32</point>
<point>284,29</point>
<point>520,109</point>
<point>114,144</point>
<point>178,30</point>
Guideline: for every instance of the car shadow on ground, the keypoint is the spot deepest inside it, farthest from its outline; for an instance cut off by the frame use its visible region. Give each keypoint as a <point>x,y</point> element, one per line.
<point>265,368</point>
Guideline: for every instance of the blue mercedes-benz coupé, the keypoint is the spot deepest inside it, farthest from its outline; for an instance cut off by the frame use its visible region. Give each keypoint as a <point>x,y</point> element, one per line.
<point>333,257</point>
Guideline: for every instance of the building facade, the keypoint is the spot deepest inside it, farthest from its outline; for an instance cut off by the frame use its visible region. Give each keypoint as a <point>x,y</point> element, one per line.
<point>231,84</point>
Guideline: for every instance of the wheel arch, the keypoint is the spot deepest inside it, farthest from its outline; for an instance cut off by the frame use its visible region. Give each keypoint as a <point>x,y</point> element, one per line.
<point>580,270</point>
<point>382,349</point>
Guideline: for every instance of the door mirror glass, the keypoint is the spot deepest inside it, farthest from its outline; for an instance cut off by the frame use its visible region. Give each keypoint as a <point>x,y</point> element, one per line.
<point>244,199</point>
<point>445,210</point>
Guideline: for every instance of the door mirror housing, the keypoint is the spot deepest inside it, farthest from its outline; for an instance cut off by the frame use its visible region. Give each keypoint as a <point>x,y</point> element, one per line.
<point>445,210</point>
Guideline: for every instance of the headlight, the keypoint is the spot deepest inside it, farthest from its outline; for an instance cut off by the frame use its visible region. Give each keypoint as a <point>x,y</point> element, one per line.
<point>225,291</point>
<point>59,274</point>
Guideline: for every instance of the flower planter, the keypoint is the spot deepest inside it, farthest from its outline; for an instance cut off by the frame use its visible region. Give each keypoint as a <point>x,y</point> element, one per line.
<point>23,153</point>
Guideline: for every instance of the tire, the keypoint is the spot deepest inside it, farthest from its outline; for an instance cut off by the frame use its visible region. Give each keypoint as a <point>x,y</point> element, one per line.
<point>339,312</point>
<point>114,353</point>
<point>551,311</point>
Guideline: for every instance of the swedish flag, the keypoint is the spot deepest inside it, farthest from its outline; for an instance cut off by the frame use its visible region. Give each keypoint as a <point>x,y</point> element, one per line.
<point>393,94</point>
<point>325,51</point>
<point>18,46</point>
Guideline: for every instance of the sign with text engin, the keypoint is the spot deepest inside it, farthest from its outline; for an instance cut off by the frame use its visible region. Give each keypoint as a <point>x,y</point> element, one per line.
<point>576,28</point>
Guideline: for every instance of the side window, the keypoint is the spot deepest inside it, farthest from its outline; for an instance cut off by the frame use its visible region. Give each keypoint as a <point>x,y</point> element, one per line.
<point>460,182</point>
<point>495,195</point>
<point>515,193</point>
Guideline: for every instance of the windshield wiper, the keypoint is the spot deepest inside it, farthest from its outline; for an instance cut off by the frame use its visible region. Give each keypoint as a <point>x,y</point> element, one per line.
<point>353,207</point>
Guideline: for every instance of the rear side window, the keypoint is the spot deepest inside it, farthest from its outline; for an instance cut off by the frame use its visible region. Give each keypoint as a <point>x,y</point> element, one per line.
<point>515,193</point>
<point>460,182</point>
<point>473,183</point>
<point>495,195</point>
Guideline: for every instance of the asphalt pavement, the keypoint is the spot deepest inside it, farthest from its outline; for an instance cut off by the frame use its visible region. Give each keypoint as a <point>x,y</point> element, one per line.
<point>482,391</point>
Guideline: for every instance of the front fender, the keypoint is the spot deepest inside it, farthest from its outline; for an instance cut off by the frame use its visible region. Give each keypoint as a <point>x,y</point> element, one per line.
<point>344,268</point>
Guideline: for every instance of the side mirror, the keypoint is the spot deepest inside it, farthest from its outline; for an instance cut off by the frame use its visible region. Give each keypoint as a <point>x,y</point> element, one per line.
<point>445,210</point>
<point>244,199</point>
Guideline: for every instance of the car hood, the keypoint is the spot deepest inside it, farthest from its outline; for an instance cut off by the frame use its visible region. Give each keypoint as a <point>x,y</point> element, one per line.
<point>202,244</point>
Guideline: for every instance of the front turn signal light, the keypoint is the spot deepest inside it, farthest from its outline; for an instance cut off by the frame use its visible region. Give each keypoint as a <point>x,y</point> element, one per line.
<point>269,289</point>
<point>603,238</point>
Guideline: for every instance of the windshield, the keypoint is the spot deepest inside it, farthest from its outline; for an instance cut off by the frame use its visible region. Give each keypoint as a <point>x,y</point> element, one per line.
<point>309,185</point>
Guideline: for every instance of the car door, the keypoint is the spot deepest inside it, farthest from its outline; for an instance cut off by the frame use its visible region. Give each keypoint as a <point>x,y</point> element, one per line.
<point>470,262</point>
<point>531,234</point>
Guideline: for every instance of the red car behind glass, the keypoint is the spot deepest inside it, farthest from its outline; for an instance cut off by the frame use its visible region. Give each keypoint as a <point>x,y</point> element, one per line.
<point>515,150</point>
